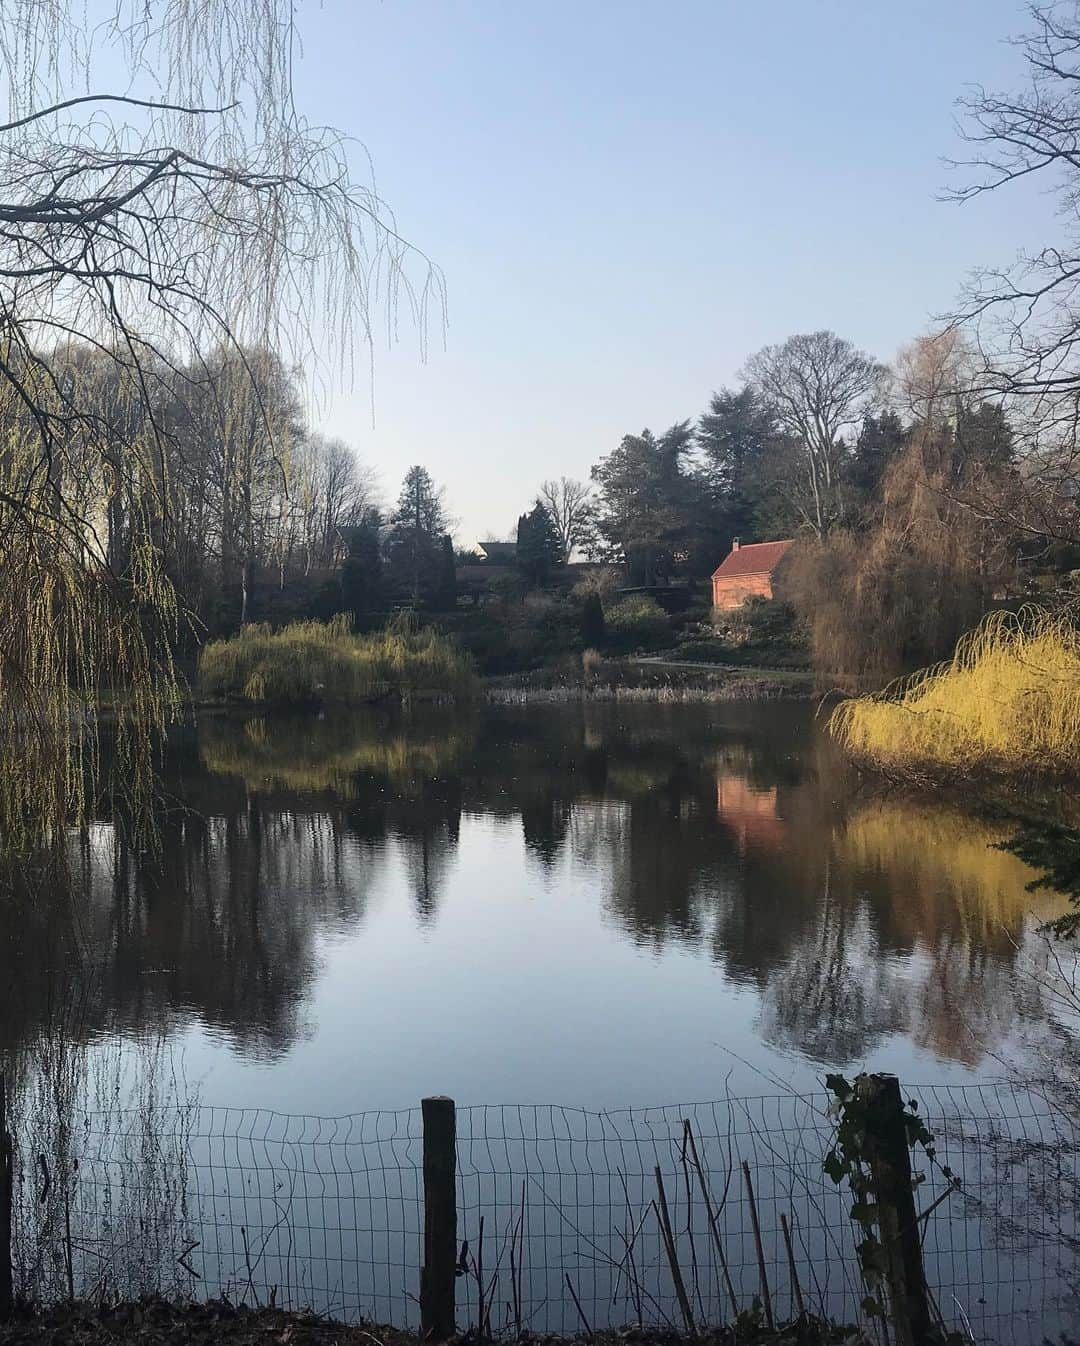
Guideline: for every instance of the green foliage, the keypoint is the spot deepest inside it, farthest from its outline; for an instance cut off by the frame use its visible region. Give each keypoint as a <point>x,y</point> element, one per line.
<point>308,662</point>
<point>593,625</point>
<point>738,441</point>
<point>517,632</point>
<point>444,589</point>
<point>763,629</point>
<point>639,617</point>
<point>414,545</point>
<point>879,443</point>
<point>1054,851</point>
<point>848,1160</point>
<point>539,550</point>
<point>644,501</point>
<point>361,573</point>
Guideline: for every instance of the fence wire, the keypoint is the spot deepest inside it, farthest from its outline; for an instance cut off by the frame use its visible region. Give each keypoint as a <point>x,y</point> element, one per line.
<point>559,1208</point>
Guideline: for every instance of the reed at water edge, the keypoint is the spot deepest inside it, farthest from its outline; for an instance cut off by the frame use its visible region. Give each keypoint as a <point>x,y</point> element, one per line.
<point>1007,701</point>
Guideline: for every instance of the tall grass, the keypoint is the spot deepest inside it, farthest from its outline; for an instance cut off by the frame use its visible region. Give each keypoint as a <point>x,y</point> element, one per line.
<point>308,662</point>
<point>1008,700</point>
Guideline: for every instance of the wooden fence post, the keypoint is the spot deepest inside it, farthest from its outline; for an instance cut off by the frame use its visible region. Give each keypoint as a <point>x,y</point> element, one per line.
<point>7,1297</point>
<point>437,1276</point>
<point>894,1199</point>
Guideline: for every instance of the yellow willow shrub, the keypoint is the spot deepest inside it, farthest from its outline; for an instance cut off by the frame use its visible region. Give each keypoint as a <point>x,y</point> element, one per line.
<point>1009,699</point>
<point>314,661</point>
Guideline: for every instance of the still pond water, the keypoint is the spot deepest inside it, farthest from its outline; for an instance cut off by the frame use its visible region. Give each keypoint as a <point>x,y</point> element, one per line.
<point>597,905</point>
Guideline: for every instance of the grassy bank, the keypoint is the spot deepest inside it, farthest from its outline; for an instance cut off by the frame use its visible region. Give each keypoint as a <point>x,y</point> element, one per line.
<point>220,1323</point>
<point>1008,702</point>
<point>310,662</point>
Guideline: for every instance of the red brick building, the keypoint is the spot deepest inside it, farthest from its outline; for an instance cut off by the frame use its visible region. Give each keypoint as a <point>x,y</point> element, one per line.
<point>746,572</point>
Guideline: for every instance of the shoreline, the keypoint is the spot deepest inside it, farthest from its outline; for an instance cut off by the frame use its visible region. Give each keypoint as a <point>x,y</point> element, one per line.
<point>744,690</point>
<point>630,680</point>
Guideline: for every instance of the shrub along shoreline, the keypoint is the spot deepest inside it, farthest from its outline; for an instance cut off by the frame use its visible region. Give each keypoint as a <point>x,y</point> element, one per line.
<point>1006,705</point>
<point>310,662</point>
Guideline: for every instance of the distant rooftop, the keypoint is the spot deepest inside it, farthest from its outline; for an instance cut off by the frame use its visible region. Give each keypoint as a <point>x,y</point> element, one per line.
<point>751,558</point>
<point>500,552</point>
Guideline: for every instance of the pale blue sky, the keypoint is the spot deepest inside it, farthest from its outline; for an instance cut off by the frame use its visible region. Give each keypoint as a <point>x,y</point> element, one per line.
<point>628,198</point>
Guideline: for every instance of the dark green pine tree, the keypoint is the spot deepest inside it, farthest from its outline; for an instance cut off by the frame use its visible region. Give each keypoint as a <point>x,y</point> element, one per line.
<point>738,442</point>
<point>444,591</point>
<point>414,542</point>
<point>361,574</point>
<point>984,437</point>
<point>539,550</point>
<point>879,443</point>
<point>644,499</point>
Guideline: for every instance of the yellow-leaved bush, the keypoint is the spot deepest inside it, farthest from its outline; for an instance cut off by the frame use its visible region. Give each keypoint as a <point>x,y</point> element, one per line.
<point>1008,699</point>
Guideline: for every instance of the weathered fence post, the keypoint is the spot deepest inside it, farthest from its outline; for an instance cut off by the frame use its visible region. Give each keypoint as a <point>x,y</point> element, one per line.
<point>894,1199</point>
<point>437,1276</point>
<point>7,1298</point>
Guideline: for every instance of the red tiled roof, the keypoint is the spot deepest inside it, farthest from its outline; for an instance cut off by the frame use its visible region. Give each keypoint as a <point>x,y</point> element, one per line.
<point>752,558</point>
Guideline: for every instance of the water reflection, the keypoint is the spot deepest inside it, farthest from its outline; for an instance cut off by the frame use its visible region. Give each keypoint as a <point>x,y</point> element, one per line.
<point>734,834</point>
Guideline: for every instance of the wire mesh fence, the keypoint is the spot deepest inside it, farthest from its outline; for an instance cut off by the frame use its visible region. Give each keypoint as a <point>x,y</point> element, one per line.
<point>559,1212</point>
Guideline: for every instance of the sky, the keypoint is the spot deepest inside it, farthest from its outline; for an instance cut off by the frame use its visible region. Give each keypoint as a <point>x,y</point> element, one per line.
<point>628,198</point>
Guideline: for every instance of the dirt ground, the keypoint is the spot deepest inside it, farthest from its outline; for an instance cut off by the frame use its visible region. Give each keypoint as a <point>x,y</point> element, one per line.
<point>158,1323</point>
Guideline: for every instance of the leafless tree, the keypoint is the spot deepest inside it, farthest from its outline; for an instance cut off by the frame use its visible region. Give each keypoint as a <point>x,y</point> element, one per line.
<point>934,377</point>
<point>161,199</point>
<point>569,503</point>
<point>817,386</point>
<point>1025,318</point>
<point>329,491</point>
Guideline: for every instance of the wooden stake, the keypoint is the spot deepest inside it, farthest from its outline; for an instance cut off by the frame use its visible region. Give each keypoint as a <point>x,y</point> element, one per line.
<point>795,1286</point>
<point>894,1200</point>
<point>437,1276</point>
<point>713,1217</point>
<point>766,1298</point>
<point>577,1305</point>
<point>673,1261</point>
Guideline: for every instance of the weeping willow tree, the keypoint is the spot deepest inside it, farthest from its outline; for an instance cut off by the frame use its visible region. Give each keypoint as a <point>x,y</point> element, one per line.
<point>162,199</point>
<point>900,594</point>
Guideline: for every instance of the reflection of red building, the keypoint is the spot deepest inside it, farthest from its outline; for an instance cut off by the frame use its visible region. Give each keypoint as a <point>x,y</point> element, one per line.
<point>750,813</point>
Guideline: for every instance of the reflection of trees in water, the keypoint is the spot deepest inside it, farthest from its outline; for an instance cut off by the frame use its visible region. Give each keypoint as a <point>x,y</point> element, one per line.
<point>731,829</point>
<point>331,751</point>
<point>855,920</point>
<point>834,999</point>
<point>918,931</point>
<point>255,858</point>
<point>740,831</point>
<point>221,927</point>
